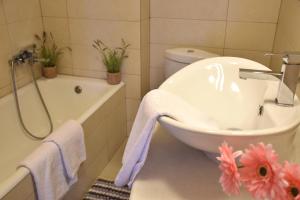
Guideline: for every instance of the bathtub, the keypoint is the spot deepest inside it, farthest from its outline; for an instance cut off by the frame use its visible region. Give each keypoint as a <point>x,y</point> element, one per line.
<point>96,107</point>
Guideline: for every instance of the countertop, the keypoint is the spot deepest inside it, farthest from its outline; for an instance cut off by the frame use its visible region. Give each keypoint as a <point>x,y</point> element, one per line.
<point>176,171</point>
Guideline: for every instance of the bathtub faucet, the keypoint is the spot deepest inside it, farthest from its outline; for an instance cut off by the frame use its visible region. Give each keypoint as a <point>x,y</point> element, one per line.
<point>288,77</point>
<point>28,54</point>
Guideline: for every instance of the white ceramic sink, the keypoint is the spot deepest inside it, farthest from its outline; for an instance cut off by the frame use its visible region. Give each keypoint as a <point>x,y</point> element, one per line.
<point>213,87</point>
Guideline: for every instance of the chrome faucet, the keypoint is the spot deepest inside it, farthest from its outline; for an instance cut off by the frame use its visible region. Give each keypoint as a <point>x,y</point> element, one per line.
<point>28,54</point>
<point>288,77</point>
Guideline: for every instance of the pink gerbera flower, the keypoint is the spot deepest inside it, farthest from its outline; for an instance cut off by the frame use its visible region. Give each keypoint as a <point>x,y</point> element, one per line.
<point>230,178</point>
<point>292,176</point>
<point>261,173</point>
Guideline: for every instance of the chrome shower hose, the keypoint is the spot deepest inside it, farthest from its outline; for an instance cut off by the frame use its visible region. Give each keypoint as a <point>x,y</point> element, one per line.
<point>15,91</point>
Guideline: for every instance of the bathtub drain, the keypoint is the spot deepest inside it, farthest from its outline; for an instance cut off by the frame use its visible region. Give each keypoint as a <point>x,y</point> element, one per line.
<point>78,89</point>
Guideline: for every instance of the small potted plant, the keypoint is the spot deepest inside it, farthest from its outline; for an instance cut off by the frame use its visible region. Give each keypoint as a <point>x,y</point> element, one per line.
<point>112,59</point>
<point>49,53</point>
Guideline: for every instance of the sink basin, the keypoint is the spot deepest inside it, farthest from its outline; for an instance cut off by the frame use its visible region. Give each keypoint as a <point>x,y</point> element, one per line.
<point>244,109</point>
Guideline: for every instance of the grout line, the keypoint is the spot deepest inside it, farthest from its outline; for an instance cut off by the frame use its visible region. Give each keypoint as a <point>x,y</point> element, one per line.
<point>11,43</point>
<point>226,25</point>
<point>161,18</point>
<point>276,32</point>
<point>100,19</point>
<point>213,20</point>
<point>41,11</point>
<point>70,37</point>
<point>199,46</point>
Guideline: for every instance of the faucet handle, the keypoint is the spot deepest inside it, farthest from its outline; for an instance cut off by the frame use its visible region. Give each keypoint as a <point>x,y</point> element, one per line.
<point>292,58</point>
<point>289,57</point>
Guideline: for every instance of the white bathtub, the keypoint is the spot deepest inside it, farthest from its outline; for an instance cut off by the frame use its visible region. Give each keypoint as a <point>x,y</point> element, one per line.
<point>63,104</point>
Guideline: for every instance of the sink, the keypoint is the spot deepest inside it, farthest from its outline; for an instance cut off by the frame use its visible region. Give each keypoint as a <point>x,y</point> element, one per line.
<point>244,109</point>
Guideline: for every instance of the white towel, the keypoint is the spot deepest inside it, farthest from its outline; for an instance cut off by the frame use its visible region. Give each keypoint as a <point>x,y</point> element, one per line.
<point>46,168</point>
<point>155,104</point>
<point>69,138</point>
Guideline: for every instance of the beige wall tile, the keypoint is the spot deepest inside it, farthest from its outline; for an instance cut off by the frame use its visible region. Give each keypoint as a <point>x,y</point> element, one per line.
<point>246,36</point>
<point>254,10</point>
<point>2,16</point>
<point>132,64</point>
<point>85,31</point>
<point>5,52</point>
<point>22,33</point>
<point>157,54</point>
<point>145,34</point>
<point>287,35</point>
<point>189,9</point>
<point>132,106</point>
<point>188,32</point>
<point>54,8</point>
<point>288,30</point>
<point>65,70</point>
<point>59,27</point>
<point>86,57</point>
<point>133,86</point>
<point>156,77</point>
<point>145,9</point>
<point>20,10</point>
<point>19,20</point>
<point>145,56</point>
<point>65,59</point>
<point>252,55</point>
<point>89,73</point>
<point>103,9</point>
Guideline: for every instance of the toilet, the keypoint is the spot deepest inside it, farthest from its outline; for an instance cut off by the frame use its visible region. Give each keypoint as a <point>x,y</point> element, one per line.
<point>178,58</point>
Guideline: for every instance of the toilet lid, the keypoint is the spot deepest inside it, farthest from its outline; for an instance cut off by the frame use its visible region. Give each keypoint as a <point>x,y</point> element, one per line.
<point>188,55</point>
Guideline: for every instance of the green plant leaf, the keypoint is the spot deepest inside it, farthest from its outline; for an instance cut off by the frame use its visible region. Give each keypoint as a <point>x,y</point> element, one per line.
<point>112,58</point>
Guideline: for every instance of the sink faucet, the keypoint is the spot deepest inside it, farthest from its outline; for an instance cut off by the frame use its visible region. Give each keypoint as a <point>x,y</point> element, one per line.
<point>288,77</point>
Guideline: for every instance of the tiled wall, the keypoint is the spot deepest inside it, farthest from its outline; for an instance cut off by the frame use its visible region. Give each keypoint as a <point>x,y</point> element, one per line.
<point>19,21</point>
<point>77,23</point>
<point>227,27</point>
<point>288,30</point>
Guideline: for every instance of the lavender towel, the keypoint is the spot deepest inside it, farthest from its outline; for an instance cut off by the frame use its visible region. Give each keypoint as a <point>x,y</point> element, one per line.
<point>155,104</point>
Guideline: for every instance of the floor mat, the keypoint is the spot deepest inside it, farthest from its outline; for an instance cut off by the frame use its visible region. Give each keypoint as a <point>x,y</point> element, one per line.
<point>107,190</point>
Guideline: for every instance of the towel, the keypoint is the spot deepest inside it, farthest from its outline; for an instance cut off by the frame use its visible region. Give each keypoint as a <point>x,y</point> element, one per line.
<point>155,104</point>
<point>46,168</point>
<point>69,139</point>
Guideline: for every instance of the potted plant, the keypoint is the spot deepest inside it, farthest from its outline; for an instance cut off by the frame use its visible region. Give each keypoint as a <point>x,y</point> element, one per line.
<point>112,58</point>
<point>49,53</point>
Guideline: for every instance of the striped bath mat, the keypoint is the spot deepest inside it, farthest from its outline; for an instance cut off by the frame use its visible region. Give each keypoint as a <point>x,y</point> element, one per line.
<point>106,190</point>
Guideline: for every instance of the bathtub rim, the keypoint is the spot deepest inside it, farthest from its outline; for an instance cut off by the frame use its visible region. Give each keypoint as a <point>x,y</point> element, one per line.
<point>20,173</point>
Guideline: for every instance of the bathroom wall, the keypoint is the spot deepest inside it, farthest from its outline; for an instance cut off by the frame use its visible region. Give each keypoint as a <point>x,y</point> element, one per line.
<point>19,21</point>
<point>77,23</point>
<point>288,30</point>
<point>227,27</point>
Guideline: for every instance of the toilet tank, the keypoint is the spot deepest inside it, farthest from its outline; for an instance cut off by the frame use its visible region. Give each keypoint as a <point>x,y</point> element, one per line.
<point>178,58</point>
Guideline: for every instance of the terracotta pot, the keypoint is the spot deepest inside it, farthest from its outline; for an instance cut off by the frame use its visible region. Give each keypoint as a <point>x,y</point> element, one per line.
<point>113,78</point>
<point>49,72</point>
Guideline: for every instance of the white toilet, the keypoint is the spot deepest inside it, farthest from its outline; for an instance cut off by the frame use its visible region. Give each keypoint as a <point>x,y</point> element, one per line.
<point>178,58</point>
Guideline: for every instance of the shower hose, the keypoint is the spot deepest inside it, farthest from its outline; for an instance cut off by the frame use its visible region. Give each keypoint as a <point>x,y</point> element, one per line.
<point>15,91</point>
